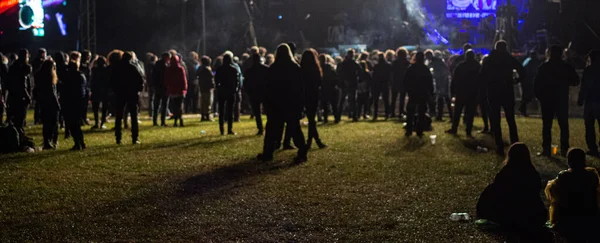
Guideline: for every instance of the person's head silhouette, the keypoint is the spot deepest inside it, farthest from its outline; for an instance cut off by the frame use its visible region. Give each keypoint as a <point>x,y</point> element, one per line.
<point>518,156</point>
<point>576,159</point>
<point>501,46</point>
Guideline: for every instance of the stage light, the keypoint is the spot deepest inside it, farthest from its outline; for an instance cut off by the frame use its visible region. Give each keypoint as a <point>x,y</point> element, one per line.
<point>31,14</point>
<point>280,17</point>
<point>61,24</point>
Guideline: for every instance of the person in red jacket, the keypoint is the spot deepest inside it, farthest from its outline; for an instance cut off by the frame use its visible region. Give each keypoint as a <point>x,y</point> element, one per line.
<point>176,83</point>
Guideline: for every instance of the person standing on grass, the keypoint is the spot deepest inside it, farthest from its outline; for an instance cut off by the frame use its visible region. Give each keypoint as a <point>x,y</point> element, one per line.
<point>382,75</point>
<point>348,73</point>
<point>19,87</point>
<point>74,92</point>
<point>149,64</point>
<point>3,85</point>
<point>227,81</point>
<point>206,80</point>
<point>161,99</point>
<point>531,65</point>
<point>256,76</point>
<point>551,86</point>
<point>312,76</point>
<point>418,84</point>
<point>176,86</point>
<point>498,73</point>
<point>35,65</point>
<point>464,89</point>
<point>284,102</point>
<point>127,82</point>
<point>329,88</point>
<point>363,90</point>
<point>100,87</point>
<point>191,99</point>
<point>589,98</point>
<point>46,80</point>
<point>483,101</point>
<point>399,67</point>
<point>442,83</point>
<point>62,61</point>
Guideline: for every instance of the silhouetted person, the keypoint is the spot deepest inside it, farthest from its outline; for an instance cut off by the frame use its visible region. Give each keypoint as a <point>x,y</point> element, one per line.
<point>86,69</point>
<point>464,88</point>
<point>227,81</point>
<point>62,62</point>
<point>3,85</point>
<point>127,82</point>
<point>399,67</point>
<point>460,59</point>
<point>149,64</point>
<point>73,93</point>
<point>161,99</point>
<point>531,65</point>
<point>19,88</point>
<point>284,102</point>
<point>418,84</point>
<point>590,100</point>
<point>513,199</point>
<point>348,73</point>
<point>442,84</point>
<point>36,63</point>
<point>176,85</point>
<point>312,76</point>
<point>497,72</point>
<point>363,90</point>
<point>254,85</point>
<point>206,81</point>
<point>483,101</point>
<point>193,94</point>
<point>46,80</point>
<point>552,90</point>
<point>100,88</point>
<point>573,197</point>
<point>382,76</point>
<point>330,91</point>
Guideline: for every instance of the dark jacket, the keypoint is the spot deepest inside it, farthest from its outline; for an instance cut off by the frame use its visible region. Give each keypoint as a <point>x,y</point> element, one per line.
<point>465,82</point>
<point>158,77</point>
<point>74,87</point>
<point>227,79</point>
<point>330,79</point>
<point>348,73</point>
<point>440,75</point>
<point>46,93</point>
<point>553,80</point>
<point>284,93</point>
<point>256,79</point>
<point>126,79</point>
<point>382,73</point>
<point>19,82</point>
<point>206,79</point>
<point>100,81</point>
<point>418,83</point>
<point>365,81</point>
<point>399,67</point>
<point>589,92</point>
<point>311,77</point>
<point>497,72</point>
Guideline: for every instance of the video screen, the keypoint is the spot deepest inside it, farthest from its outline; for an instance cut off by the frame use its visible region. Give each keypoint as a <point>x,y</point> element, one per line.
<point>41,18</point>
<point>470,9</point>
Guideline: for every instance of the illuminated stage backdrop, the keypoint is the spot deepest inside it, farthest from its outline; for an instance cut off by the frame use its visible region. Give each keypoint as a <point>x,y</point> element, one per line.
<point>472,9</point>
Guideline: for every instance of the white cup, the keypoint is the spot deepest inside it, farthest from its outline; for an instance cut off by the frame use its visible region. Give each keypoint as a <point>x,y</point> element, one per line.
<point>433,138</point>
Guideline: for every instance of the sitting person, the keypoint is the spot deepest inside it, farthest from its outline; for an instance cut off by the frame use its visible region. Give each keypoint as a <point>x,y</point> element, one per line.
<point>513,200</point>
<point>573,196</point>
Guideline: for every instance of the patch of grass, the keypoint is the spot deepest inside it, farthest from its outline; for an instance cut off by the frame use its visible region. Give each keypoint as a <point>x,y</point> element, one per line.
<point>371,184</point>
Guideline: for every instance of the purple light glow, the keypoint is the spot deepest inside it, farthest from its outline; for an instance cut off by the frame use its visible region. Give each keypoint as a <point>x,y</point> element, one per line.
<point>48,3</point>
<point>61,24</point>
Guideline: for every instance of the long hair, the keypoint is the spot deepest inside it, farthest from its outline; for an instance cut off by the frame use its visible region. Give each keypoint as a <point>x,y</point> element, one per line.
<point>518,157</point>
<point>114,57</point>
<point>364,66</point>
<point>283,55</point>
<point>48,69</point>
<point>310,62</point>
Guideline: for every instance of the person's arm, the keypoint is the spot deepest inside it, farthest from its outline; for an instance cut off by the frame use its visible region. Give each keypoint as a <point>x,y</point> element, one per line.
<point>520,70</point>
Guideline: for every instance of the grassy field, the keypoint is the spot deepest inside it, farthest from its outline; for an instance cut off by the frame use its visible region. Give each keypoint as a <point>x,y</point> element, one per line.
<point>371,184</point>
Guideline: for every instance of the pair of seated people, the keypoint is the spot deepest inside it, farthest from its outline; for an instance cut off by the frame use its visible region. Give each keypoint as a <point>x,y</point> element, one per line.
<point>513,199</point>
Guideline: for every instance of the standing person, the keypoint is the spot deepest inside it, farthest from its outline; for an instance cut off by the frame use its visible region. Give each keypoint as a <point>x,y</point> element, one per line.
<point>127,82</point>
<point>206,81</point>
<point>531,65</point>
<point>161,99</point>
<point>399,67</point>
<point>497,72</point>
<point>149,65</point>
<point>465,88</point>
<point>74,92</point>
<point>176,85</point>
<point>363,90</point>
<point>193,94</point>
<point>348,73</point>
<point>237,105</point>
<point>62,62</point>
<point>46,79</point>
<point>442,83</point>
<point>312,76</point>
<point>284,101</point>
<point>100,88</point>
<point>483,101</point>
<point>552,90</point>
<point>329,89</point>
<point>227,81</point>
<point>3,85</point>
<point>382,75</point>
<point>418,84</point>
<point>86,69</point>
<point>19,87</point>
<point>256,77</point>
<point>35,65</point>
<point>590,100</point>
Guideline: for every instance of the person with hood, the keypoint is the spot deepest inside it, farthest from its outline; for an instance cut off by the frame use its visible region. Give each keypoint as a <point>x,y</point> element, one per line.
<point>464,88</point>
<point>19,88</point>
<point>161,99</point>
<point>176,86</point>
<point>442,83</point>
<point>348,73</point>
<point>46,80</point>
<point>312,76</point>
<point>590,100</point>
<point>127,82</point>
<point>100,88</point>
<point>227,80</point>
<point>329,88</point>
<point>531,65</point>
<point>256,77</point>
<point>382,76</point>
<point>497,72</point>
<point>73,93</point>
<point>418,84</point>
<point>206,81</point>
<point>551,86</point>
<point>284,102</point>
<point>399,67</point>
